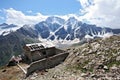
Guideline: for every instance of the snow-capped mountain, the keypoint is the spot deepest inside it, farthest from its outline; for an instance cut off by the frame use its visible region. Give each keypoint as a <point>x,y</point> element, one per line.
<point>56,28</point>
<point>5,29</point>
<point>6,26</point>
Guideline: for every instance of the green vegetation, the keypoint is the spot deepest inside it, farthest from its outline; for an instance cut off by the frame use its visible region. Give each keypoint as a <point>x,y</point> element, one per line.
<point>110,64</point>
<point>79,67</point>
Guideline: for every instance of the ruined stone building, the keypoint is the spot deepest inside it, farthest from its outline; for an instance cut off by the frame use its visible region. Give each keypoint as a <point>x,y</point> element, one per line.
<point>37,51</point>
<point>43,56</point>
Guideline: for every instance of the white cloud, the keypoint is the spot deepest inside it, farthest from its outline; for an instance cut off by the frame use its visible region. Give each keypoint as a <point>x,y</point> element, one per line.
<point>66,17</point>
<point>19,18</point>
<point>102,12</point>
<point>85,3</point>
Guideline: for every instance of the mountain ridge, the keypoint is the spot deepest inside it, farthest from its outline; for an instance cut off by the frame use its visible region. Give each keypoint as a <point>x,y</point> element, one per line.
<point>56,26</point>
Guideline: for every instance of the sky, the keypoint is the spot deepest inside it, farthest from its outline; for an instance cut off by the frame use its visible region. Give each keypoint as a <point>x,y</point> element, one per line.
<point>46,7</point>
<point>104,13</point>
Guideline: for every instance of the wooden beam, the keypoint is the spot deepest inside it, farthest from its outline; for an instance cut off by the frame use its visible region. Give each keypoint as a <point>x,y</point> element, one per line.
<point>21,68</point>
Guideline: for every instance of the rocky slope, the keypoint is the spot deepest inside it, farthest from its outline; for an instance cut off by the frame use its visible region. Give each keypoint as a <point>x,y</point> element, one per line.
<point>97,59</point>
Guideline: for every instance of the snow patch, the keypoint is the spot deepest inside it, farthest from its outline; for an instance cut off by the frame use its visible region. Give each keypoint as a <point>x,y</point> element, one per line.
<point>60,43</point>
<point>65,27</point>
<point>6,33</point>
<point>107,35</point>
<point>88,37</point>
<point>9,30</point>
<point>102,35</point>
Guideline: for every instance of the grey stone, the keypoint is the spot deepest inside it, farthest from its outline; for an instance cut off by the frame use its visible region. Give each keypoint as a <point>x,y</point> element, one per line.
<point>118,58</point>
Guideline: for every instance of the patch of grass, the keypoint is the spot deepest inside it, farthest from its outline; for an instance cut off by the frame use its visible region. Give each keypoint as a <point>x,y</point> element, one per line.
<point>110,64</point>
<point>79,67</point>
<point>1,68</point>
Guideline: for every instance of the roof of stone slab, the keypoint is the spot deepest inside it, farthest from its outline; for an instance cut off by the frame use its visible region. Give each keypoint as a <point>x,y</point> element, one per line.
<point>38,46</point>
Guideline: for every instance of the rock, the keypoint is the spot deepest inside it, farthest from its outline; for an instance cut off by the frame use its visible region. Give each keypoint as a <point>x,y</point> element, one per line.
<point>93,76</point>
<point>33,78</point>
<point>98,53</point>
<point>118,58</point>
<point>84,50</point>
<point>106,68</point>
<point>54,76</point>
<point>80,78</point>
<point>101,66</point>
<point>95,45</point>
<point>4,70</point>
<point>35,74</point>
<point>114,68</point>
<point>90,51</point>
<point>84,75</point>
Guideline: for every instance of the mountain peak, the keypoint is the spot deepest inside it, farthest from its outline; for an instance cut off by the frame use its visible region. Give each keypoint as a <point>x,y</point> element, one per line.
<point>72,19</point>
<point>54,19</point>
<point>4,24</point>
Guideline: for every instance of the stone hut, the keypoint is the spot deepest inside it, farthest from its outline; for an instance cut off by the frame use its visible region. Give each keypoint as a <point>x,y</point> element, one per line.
<point>43,56</point>
<point>37,51</point>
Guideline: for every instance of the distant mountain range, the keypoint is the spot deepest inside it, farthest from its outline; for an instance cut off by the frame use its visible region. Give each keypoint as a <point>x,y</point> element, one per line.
<point>57,28</point>
<point>13,37</point>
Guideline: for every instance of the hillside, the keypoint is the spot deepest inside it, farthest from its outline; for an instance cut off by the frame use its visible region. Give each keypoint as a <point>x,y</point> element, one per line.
<point>12,44</point>
<point>96,59</point>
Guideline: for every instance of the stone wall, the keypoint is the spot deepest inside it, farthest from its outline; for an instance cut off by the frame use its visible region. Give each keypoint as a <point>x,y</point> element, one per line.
<point>40,54</point>
<point>36,55</point>
<point>50,51</point>
<point>57,51</point>
<point>46,63</point>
